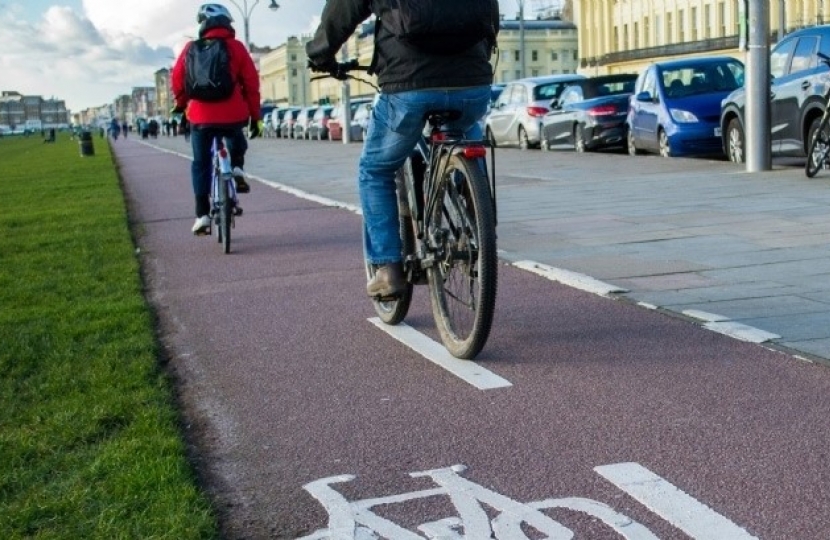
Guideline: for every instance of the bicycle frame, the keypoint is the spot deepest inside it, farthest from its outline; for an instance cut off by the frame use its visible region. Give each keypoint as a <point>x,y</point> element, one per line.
<point>430,147</point>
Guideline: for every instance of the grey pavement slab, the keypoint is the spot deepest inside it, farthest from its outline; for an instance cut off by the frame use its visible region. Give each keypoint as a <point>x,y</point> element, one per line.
<point>680,233</point>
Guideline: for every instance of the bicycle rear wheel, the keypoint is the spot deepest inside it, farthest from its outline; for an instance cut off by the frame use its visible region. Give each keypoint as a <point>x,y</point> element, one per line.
<point>224,216</point>
<point>819,147</point>
<point>394,311</point>
<point>463,279</point>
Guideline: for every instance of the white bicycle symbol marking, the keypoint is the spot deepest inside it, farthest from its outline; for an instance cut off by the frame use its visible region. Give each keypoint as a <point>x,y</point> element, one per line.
<point>354,520</point>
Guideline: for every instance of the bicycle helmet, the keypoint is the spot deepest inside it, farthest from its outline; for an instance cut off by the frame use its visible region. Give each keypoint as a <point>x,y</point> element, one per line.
<point>210,11</point>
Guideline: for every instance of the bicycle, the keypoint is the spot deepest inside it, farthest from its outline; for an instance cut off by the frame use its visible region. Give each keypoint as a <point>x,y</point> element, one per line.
<point>224,204</point>
<point>818,155</point>
<point>447,212</point>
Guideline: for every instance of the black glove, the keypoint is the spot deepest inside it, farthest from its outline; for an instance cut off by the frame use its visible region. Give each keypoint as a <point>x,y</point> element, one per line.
<point>254,128</point>
<point>329,65</point>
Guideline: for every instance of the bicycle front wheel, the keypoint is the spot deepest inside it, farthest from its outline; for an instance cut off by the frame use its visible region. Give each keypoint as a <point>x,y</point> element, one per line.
<point>463,278</point>
<point>819,146</point>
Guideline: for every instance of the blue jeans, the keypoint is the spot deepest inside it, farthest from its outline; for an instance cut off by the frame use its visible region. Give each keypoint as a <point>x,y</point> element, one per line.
<point>396,123</point>
<point>201,139</point>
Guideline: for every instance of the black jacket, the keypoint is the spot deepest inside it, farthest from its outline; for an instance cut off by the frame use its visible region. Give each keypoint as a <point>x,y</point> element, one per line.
<point>399,67</point>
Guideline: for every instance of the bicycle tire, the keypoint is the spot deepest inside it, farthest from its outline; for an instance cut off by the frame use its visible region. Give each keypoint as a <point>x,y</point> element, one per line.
<point>819,147</point>
<point>463,282</point>
<point>393,312</point>
<point>225,216</point>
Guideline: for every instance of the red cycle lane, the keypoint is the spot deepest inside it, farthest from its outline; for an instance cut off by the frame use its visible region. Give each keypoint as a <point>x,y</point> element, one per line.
<point>308,421</point>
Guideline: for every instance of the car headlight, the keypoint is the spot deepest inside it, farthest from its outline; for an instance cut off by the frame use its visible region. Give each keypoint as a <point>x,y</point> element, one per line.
<point>682,117</point>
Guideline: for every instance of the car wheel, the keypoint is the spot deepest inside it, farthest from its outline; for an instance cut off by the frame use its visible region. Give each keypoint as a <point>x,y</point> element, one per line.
<point>579,139</point>
<point>665,147</point>
<point>491,137</point>
<point>735,141</point>
<point>632,145</point>
<point>524,142</point>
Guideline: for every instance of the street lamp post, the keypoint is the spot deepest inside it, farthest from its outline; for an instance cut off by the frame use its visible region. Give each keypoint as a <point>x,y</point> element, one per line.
<point>522,38</point>
<point>246,16</point>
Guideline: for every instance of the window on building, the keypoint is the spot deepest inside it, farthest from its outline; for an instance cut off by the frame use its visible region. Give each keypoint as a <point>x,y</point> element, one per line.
<point>616,44</point>
<point>636,36</point>
<point>534,56</point>
<point>694,22</point>
<point>293,72</point>
<point>554,56</point>
<point>646,33</point>
<point>669,29</point>
<point>722,19</point>
<point>534,72</point>
<point>518,74</point>
<point>624,46</point>
<point>681,26</point>
<point>293,57</point>
<point>576,55</point>
<point>517,55</point>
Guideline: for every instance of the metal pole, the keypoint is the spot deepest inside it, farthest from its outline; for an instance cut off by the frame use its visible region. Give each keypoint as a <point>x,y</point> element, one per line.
<point>522,38</point>
<point>246,16</point>
<point>346,102</point>
<point>758,139</point>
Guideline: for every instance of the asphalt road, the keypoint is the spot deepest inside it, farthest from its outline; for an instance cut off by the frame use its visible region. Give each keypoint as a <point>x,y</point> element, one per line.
<point>613,418</point>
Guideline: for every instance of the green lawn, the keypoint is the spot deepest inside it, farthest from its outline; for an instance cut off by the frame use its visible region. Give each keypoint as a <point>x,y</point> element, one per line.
<point>90,445</point>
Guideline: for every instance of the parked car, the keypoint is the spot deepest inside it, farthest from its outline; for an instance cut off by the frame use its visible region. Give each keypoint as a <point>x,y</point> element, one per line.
<point>303,121</point>
<point>336,120</point>
<point>360,121</point>
<point>675,109</point>
<point>516,116</point>
<point>289,118</point>
<point>796,103</point>
<point>318,128</point>
<point>590,114</point>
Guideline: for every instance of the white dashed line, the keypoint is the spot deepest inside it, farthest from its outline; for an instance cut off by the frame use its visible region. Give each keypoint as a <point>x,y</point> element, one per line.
<point>466,370</point>
<point>572,279</point>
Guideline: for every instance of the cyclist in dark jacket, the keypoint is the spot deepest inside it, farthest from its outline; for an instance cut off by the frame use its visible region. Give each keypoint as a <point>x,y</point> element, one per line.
<point>412,82</point>
<point>208,119</point>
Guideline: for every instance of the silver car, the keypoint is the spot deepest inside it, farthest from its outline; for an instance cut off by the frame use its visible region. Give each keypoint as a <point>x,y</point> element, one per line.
<point>516,117</point>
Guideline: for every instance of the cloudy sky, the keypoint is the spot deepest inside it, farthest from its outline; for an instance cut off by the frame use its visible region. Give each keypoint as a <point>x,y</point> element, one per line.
<point>88,52</point>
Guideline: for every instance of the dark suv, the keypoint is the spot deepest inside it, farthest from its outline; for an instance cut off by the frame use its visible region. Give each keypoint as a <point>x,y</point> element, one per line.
<point>797,96</point>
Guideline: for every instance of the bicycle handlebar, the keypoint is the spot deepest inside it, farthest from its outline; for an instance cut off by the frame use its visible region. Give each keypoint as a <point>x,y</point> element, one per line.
<point>339,71</point>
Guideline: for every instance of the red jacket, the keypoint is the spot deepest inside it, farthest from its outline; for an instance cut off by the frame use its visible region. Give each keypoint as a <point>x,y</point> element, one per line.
<point>237,109</point>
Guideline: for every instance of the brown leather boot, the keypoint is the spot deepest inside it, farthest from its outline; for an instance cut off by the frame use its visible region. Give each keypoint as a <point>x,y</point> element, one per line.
<point>388,282</point>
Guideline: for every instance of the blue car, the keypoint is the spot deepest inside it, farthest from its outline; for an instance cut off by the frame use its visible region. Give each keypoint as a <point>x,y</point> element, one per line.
<point>676,106</point>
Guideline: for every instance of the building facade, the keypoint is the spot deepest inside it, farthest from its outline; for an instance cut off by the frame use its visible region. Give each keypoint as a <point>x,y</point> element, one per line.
<point>32,112</point>
<point>164,93</point>
<point>550,46</point>
<point>624,36</point>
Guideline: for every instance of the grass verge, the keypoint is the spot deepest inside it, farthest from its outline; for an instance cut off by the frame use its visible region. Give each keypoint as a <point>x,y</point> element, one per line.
<point>89,438</point>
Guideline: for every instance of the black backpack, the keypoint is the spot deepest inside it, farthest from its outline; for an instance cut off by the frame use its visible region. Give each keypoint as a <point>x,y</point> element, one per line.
<point>208,74</point>
<point>441,27</point>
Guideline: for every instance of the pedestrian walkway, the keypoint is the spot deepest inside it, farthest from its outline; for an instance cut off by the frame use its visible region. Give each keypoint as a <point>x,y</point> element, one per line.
<point>742,253</point>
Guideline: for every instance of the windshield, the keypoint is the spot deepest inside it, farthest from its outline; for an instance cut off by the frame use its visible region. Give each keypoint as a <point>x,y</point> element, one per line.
<point>723,76</point>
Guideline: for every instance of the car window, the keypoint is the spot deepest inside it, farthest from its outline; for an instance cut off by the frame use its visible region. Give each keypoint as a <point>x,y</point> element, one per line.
<point>650,83</point>
<point>505,96</point>
<point>570,94</point>
<point>519,95</point>
<point>547,92</point>
<point>779,58</point>
<point>804,56</point>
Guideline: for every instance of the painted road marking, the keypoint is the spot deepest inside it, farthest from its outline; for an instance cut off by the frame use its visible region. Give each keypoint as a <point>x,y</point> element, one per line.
<point>661,497</point>
<point>572,279</point>
<point>355,519</point>
<point>466,370</point>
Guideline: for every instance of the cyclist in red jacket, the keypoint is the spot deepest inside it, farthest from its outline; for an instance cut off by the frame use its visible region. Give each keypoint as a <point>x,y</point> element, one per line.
<point>225,118</point>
